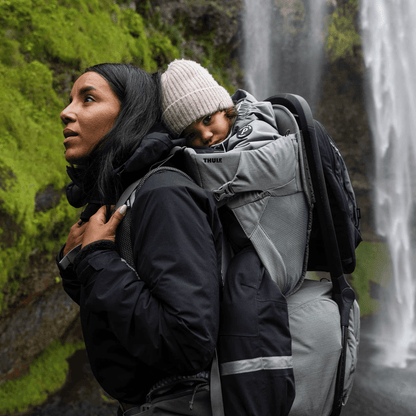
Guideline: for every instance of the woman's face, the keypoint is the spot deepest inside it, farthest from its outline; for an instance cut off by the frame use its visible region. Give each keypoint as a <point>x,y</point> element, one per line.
<point>91,113</point>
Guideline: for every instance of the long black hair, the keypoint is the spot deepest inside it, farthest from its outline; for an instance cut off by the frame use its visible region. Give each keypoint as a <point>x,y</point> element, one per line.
<point>139,94</point>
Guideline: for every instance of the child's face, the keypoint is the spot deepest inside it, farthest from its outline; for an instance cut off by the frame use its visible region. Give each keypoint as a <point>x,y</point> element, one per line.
<point>208,130</point>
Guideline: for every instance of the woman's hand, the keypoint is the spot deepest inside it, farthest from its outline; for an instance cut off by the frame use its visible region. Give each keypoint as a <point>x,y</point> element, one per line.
<point>75,236</point>
<point>97,229</point>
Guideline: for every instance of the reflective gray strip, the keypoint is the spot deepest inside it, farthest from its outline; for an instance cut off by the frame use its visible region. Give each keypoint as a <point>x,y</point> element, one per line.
<point>256,364</point>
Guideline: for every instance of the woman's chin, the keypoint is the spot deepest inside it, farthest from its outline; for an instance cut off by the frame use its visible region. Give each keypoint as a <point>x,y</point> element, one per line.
<point>70,157</point>
<point>74,158</point>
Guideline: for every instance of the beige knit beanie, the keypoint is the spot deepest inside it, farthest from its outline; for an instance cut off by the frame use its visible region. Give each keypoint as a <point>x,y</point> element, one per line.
<point>190,92</point>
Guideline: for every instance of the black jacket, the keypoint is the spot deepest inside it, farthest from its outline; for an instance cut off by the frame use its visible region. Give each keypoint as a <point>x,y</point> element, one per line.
<point>139,331</point>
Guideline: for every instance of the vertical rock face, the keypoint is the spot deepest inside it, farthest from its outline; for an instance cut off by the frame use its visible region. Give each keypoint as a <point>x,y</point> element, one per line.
<point>342,110</point>
<point>40,319</point>
<point>209,31</point>
<point>216,19</point>
<point>39,312</point>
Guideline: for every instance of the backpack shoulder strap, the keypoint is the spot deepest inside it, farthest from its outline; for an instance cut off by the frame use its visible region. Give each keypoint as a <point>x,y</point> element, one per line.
<point>123,232</point>
<point>286,122</point>
<point>129,191</point>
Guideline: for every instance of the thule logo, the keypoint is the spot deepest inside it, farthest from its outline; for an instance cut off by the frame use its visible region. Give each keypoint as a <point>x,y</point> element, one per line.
<point>212,159</point>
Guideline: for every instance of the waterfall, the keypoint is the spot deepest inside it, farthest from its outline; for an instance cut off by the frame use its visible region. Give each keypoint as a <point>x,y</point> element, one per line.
<point>282,47</point>
<point>389,41</point>
<point>256,24</point>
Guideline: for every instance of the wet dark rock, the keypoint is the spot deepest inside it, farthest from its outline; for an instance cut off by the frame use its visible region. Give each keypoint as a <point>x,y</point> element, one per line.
<point>10,230</point>
<point>29,330</point>
<point>47,199</point>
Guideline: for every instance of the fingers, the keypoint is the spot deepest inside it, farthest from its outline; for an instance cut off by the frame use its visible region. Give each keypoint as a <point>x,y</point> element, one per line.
<point>77,227</point>
<point>100,215</point>
<point>122,210</point>
<point>97,229</point>
<point>75,236</point>
<point>118,216</point>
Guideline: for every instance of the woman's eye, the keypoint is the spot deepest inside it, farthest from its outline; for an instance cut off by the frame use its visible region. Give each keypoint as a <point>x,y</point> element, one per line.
<point>207,119</point>
<point>89,99</point>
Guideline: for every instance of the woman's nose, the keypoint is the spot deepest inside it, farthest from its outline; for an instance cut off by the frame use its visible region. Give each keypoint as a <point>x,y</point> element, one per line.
<point>67,115</point>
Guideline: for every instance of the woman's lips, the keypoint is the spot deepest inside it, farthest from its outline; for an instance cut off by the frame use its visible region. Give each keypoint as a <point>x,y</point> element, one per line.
<point>67,134</point>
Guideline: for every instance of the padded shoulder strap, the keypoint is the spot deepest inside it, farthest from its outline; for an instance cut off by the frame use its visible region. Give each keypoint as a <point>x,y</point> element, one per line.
<point>129,192</point>
<point>123,240</point>
<point>126,194</point>
<point>286,122</point>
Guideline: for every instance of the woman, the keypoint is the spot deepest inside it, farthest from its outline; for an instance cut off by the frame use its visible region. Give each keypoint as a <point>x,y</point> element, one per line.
<point>159,325</point>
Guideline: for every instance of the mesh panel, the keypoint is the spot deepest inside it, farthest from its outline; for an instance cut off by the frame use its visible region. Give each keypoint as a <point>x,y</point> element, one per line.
<point>285,220</point>
<point>280,236</point>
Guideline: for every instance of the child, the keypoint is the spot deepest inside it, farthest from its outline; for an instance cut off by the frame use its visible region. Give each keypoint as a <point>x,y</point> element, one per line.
<point>198,109</point>
<point>254,174</point>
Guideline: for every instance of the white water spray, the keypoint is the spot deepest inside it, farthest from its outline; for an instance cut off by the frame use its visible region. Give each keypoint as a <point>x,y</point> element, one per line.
<point>257,51</point>
<point>282,47</point>
<point>389,36</point>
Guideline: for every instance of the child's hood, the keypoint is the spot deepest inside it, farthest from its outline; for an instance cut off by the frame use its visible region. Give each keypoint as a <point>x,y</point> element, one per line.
<point>248,107</point>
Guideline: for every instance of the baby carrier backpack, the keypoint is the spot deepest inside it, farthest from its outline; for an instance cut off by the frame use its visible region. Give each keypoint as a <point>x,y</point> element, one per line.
<point>323,316</point>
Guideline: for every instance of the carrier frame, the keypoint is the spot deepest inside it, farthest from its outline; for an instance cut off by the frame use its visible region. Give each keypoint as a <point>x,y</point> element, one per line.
<point>342,293</point>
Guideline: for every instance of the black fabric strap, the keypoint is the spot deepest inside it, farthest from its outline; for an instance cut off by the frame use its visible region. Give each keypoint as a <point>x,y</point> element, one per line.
<point>217,404</point>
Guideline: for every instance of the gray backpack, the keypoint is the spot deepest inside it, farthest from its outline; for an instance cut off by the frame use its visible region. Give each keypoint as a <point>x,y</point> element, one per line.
<point>323,316</point>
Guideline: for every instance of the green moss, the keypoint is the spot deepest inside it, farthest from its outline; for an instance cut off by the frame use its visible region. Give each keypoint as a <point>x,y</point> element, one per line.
<point>47,374</point>
<point>77,33</point>
<point>162,48</point>
<point>373,267</point>
<point>343,36</point>
<point>31,157</point>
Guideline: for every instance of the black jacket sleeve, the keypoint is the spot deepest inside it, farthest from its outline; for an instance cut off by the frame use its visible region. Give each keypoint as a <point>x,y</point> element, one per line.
<point>70,282</point>
<point>169,318</point>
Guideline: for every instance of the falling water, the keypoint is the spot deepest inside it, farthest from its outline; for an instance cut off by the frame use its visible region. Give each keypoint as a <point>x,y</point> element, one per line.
<point>282,47</point>
<point>389,36</point>
<point>257,50</point>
